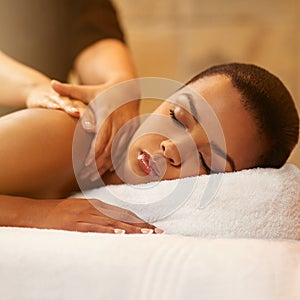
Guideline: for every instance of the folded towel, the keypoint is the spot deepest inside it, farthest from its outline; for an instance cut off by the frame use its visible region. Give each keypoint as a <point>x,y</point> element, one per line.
<point>256,203</point>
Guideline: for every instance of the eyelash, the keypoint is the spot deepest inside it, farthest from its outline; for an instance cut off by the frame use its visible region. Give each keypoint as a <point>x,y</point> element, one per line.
<point>172,115</point>
<point>204,164</point>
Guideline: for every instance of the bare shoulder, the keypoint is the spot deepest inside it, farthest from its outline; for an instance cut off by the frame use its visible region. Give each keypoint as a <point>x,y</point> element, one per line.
<point>39,116</point>
<point>36,152</point>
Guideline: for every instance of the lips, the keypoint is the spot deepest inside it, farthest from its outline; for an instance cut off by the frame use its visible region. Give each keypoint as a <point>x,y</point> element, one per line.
<point>147,164</point>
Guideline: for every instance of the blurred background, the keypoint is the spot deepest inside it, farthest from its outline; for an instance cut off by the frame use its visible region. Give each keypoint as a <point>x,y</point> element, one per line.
<point>176,39</point>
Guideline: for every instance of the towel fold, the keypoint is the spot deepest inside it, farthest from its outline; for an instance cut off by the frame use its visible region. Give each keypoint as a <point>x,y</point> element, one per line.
<point>256,203</point>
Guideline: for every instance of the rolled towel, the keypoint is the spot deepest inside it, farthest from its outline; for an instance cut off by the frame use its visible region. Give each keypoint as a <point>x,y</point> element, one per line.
<point>255,203</point>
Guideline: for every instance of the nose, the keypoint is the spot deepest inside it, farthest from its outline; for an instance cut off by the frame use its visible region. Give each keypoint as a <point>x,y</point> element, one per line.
<point>170,152</point>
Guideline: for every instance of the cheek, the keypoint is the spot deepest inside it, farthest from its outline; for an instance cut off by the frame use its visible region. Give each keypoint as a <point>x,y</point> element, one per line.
<point>243,145</point>
<point>179,172</point>
<point>149,142</point>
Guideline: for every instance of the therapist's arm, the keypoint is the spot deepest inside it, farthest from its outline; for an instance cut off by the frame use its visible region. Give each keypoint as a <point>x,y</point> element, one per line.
<point>98,67</point>
<point>104,63</point>
<point>17,81</point>
<point>23,86</point>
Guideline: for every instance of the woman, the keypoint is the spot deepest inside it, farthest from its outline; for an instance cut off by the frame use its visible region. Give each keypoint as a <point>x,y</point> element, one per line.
<point>257,115</point>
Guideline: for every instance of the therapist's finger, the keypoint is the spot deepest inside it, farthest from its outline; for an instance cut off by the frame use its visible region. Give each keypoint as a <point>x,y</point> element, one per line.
<point>42,101</point>
<point>100,141</point>
<point>74,91</point>
<point>103,152</point>
<point>88,120</point>
<point>80,106</point>
<point>66,104</point>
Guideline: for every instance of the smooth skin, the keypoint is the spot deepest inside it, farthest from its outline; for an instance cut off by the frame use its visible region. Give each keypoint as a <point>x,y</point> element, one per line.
<point>36,164</point>
<point>36,158</point>
<point>181,158</point>
<point>98,67</point>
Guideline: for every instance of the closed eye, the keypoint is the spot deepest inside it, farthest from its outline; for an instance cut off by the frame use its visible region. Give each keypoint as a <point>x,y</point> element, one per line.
<point>177,122</point>
<point>207,169</point>
<point>204,164</point>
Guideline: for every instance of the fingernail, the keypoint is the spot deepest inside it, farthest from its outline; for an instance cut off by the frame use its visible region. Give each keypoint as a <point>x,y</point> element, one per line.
<point>146,231</point>
<point>87,125</point>
<point>88,161</point>
<point>95,177</point>
<point>119,231</point>
<point>159,231</point>
<point>84,173</point>
<point>54,105</point>
<point>72,109</point>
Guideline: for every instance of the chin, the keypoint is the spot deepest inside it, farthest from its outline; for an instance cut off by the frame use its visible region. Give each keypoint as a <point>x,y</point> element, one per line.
<point>137,179</point>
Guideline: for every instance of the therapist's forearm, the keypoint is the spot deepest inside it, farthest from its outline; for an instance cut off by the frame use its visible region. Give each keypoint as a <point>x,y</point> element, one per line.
<point>17,80</point>
<point>105,62</point>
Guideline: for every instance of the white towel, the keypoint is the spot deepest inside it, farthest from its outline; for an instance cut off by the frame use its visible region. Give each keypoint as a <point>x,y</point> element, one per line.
<point>256,203</point>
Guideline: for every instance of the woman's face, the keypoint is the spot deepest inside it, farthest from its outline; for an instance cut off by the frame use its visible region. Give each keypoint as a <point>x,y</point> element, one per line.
<point>188,136</point>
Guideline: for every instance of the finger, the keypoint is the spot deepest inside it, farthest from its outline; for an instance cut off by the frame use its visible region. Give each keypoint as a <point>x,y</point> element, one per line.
<point>103,164</point>
<point>66,104</point>
<point>103,146</point>
<point>52,105</point>
<point>135,228</point>
<point>122,144</point>
<point>98,144</point>
<point>96,224</point>
<point>81,107</point>
<point>103,136</point>
<point>90,158</point>
<point>84,93</point>
<point>116,214</point>
<point>117,217</point>
<point>85,173</point>
<point>88,120</point>
<point>90,227</point>
<point>104,167</point>
<point>44,102</point>
<point>125,228</point>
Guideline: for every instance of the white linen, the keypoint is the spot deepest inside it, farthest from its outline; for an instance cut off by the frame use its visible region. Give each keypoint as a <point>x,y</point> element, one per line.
<point>256,203</point>
<point>59,265</point>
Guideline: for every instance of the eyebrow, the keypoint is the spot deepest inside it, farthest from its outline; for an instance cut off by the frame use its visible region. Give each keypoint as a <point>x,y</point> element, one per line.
<point>192,106</point>
<point>213,145</point>
<point>223,154</point>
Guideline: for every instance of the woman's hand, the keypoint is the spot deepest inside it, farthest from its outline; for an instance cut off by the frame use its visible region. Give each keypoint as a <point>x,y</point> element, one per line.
<point>70,214</point>
<point>81,215</point>
<point>104,118</point>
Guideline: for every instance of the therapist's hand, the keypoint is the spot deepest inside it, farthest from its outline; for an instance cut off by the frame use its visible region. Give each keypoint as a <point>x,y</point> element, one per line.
<point>102,119</point>
<point>45,97</point>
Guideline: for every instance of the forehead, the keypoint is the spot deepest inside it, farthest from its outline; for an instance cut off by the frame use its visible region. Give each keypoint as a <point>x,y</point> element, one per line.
<point>238,125</point>
<point>218,91</point>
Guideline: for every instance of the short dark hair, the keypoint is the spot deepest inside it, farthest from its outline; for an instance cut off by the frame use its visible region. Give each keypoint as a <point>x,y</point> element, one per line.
<point>271,105</point>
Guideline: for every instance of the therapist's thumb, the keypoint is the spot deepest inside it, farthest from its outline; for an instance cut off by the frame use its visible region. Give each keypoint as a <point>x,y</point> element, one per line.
<point>73,91</point>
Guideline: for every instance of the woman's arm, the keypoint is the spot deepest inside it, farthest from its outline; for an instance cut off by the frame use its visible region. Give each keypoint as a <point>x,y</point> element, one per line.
<point>70,214</point>
<point>36,163</point>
